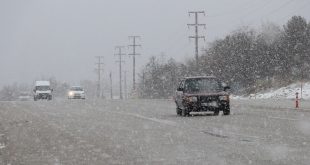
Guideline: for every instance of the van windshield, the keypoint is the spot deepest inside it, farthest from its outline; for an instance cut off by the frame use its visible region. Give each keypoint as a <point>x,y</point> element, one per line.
<point>42,88</point>
<point>76,89</point>
<point>202,85</point>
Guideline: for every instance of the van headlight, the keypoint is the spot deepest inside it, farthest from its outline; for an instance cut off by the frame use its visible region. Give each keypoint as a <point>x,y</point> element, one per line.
<point>224,98</point>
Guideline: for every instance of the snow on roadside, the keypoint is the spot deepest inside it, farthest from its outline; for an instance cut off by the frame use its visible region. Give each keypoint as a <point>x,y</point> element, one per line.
<point>288,92</point>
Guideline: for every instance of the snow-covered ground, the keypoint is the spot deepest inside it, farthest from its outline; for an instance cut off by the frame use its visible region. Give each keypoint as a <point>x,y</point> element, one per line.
<point>288,92</point>
<point>139,132</point>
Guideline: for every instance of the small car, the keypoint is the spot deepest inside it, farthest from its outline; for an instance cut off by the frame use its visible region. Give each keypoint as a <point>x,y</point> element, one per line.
<point>76,92</point>
<point>198,94</point>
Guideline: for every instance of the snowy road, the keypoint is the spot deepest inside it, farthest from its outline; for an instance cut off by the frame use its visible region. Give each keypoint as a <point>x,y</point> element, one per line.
<point>149,132</point>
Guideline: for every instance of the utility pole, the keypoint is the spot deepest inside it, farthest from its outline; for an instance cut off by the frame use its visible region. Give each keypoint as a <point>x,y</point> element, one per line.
<point>111,85</point>
<point>99,69</point>
<point>120,54</point>
<point>134,54</point>
<point>143,85</point>
<point>125,84</point>
<point>196,36</point>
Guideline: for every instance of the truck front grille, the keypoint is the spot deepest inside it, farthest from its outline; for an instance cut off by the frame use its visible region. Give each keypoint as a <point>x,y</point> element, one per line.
<point>207,99</point>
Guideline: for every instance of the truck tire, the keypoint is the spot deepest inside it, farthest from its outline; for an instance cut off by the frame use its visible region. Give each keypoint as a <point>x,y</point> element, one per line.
<point>226,111</point>
<point>184,112</point>
<point>216,112</point>
<point>179,111</point>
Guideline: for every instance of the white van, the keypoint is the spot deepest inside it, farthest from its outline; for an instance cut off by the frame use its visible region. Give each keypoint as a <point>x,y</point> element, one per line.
<point>42,90</point>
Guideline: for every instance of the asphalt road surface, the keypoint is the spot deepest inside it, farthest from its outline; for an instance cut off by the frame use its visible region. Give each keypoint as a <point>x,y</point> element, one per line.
<point>149,132</point>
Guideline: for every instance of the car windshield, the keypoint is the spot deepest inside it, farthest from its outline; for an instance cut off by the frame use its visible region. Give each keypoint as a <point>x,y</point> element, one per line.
<point>42,88</point>
<point>76,89</point>
<point>202,85</point>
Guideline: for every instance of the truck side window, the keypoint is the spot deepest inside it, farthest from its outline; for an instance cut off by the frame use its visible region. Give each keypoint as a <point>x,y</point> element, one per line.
<point>181,86</point>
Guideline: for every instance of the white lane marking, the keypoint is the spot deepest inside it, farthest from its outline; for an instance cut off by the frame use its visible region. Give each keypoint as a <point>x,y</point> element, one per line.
<point>283,118</point>
<point>167,122</point>
<point>2,146</point>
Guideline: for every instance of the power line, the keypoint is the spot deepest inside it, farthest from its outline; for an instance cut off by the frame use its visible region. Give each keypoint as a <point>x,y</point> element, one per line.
<point>99,69</point>
<point>134,54</point>
<point>293,11</point>
<point>173,38</point>
<point>196,25</point>
<point>120,61</point>
<point>279,7</point>
<point>246,14</point>
<point>240,7</point>
<point>204,50</point>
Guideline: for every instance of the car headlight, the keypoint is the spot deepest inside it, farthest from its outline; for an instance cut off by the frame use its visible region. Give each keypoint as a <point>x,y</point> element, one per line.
<point>192,99</point>
<point>70,93</point>
<point>224,98</point>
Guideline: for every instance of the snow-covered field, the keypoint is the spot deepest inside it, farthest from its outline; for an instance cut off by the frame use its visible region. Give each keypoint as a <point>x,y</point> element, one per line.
<point>288,92</point>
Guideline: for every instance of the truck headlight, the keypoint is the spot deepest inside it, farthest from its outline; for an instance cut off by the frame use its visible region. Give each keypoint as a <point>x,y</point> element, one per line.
<point>224,98</point>
<point>192,99</point>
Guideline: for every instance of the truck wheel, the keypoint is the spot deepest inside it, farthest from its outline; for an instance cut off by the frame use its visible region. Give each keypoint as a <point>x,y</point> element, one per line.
<point>216,112</point>
<point>50,98</point>
<point>184,112</point>
<point>226,111</point>
<point>178,111</point>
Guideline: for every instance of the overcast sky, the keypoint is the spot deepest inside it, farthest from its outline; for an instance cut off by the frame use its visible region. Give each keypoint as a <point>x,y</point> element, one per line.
<point>60,38</point>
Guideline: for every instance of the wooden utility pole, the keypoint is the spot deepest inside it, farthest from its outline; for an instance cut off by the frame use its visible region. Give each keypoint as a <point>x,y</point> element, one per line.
<point>120,61</point>
<point>125,84</point>
<point>134,54</point>
<point>111,85</point>
<point>99,69</point>
<point>196,36</point>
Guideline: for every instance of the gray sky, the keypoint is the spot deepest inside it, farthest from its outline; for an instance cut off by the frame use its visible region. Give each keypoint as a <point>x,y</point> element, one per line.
<point>61,37</point>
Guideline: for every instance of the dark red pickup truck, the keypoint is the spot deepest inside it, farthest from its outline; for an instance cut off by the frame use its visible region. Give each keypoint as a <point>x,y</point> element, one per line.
<point>205,93</point>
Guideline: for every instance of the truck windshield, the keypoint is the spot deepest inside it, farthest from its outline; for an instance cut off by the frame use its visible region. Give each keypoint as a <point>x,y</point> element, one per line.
<point>42,88</point>
<point>202,85</point>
